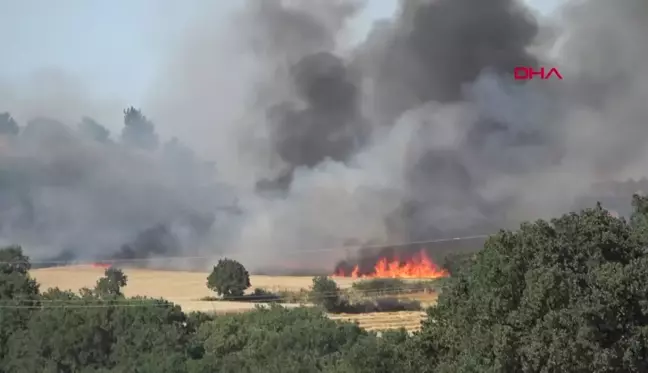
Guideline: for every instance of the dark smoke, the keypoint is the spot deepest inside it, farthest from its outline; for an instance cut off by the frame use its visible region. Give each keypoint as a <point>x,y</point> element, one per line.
<point>330,125</point>
<point>150,242</point>
<point>440,46</point>
<point>447,45</point>
<point>418,132</point>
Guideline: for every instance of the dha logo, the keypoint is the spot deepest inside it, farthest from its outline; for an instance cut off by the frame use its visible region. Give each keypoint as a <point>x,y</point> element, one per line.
<point>527,73</point>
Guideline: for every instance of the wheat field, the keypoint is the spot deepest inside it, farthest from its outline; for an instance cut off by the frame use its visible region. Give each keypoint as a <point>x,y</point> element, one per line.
<point>410,320</point>
<point>188,288</point>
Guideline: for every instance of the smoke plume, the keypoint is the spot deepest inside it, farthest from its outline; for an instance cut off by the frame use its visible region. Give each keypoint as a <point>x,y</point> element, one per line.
<point>418,132</point>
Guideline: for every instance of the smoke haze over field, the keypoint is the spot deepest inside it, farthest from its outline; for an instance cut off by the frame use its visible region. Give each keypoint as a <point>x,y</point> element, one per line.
<point>419,132</point>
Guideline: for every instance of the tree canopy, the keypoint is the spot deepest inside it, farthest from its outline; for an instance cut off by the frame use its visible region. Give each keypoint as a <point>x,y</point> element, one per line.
<point>139,131</point>
<point>570,294</point>
<point>229,278</point>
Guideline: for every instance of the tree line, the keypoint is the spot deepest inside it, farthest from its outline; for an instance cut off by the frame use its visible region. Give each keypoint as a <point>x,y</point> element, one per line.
<point>565,295</point>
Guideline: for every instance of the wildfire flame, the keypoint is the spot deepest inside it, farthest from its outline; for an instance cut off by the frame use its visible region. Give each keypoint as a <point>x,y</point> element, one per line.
<point>101,265</point>
<point>419,266</point>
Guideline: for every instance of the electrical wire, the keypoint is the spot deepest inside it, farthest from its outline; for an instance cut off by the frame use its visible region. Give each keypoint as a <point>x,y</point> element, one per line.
<point>161,302</point>
<point>386,291</point>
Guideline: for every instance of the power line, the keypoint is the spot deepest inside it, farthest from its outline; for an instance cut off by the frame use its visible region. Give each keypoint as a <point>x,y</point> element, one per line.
<point>249,297</point>
<point>221,255</point>
<point>167,303</point>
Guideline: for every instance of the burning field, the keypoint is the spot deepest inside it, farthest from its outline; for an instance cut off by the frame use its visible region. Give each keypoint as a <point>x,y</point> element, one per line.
<point>393,264</point>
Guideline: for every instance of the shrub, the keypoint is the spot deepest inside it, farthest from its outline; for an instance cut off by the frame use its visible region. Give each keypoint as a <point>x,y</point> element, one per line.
<point>229,278</point>
<point>325,293</point>
<point>262,295</point>
<point>291,296</point>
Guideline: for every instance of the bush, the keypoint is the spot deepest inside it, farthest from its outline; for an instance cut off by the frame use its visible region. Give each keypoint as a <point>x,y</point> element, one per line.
<point>291,296</point>
<point>229,278</point>
<point>325,293</point>
<point>262,295</point>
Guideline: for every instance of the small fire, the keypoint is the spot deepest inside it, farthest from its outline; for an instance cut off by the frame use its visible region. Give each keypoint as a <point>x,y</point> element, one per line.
<point>101,265</point>
<point>419,266</point>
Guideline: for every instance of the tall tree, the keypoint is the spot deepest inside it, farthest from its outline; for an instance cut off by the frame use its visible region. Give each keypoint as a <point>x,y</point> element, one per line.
<point>139,131</point>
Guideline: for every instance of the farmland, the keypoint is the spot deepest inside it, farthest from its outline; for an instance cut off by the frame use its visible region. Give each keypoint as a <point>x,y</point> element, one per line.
<point>188,289</point>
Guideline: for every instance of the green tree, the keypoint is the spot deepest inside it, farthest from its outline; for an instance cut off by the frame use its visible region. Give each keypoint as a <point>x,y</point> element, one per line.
<point>326,293</point>
<point>569,295</point>
<point>111,283</point>
<point>229,278</point>
<point>8,125</point>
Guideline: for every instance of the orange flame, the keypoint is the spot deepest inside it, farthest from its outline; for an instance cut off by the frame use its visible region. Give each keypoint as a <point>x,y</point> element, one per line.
<point>419,266</point>
<point>101,265</point>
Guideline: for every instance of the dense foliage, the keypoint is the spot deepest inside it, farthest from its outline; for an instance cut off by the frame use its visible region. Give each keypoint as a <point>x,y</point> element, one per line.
<point>101,330</point>
<point>567,295</point>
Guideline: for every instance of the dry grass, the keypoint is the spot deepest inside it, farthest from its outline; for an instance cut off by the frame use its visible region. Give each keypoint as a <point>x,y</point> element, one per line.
<point>410,320</point>
<point>187,288</point>
<point>183,288</point>
<point>426,299</point>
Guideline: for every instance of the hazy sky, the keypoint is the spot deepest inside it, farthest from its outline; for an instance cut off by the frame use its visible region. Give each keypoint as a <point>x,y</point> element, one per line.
<point>114,46</point>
